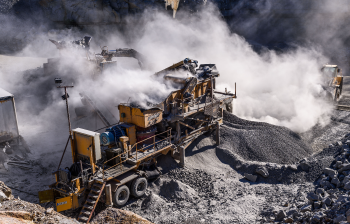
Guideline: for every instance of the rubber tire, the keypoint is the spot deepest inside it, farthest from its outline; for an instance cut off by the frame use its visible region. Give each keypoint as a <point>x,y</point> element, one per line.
<point>122,189</point>
<point>135,184</point>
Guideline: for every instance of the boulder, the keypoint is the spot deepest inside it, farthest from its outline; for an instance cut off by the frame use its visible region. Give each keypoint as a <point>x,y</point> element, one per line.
<point>320,191</point>
<point>327,201</point>
<point>330,172</point>
<point>305,166</point>
<point>313,197</point>
<point>293,167</point>
<point>3,196</point>
<point>335,181</point>
<point>292,212</point>
<point>339,218</point>
<point>280,215</point>
<point>175,189</point>
<point>318,216</point>
<point>5,189</point>
<point>347,186</point>
<point>317,204</point>
<point>337,164</point>
<point>306,208</point>
<point>346,167</point>
<point>250,177</point>
<point>346,179</point>
<point>262,171</point>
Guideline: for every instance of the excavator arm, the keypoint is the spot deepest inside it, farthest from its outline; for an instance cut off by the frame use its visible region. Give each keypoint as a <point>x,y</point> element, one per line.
<point>123,52</point>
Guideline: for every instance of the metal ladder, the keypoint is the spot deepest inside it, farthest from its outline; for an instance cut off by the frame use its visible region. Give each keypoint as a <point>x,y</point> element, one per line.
<point>91,202</point>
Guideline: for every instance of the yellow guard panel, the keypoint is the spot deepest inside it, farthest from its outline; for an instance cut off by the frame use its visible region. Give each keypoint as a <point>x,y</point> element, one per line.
<point>46,196</point>
<point>83,144</point>
<point>63,204</point>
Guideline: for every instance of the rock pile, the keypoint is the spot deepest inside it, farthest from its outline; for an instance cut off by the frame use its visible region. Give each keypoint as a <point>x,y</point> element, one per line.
<point>263,142</point>
<point>330,202</point>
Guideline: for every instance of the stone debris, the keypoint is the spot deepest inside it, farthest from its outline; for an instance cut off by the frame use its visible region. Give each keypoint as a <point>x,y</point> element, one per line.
<point>330,202</point>
<point>250,177</point>
<point>262,171</point>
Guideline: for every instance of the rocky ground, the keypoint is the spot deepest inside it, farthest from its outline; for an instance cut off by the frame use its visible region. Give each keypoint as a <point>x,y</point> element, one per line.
<point>260,173</point>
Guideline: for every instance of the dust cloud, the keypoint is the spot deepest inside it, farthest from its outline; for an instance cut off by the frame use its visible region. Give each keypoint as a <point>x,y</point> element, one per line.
<point>279,88</point>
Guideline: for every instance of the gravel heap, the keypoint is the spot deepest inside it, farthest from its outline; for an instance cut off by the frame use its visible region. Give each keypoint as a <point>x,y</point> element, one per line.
<point>258,141</point>
<point>330,202</point>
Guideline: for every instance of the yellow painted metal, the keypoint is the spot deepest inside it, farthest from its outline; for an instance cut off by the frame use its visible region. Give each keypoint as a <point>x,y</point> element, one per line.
<point>46,196</point>
<point>75,202</point>
<point>143,119</point>
<point>63,204</point>
<point>337,80</point>
<point>131,133</point>
<point>83,144</point>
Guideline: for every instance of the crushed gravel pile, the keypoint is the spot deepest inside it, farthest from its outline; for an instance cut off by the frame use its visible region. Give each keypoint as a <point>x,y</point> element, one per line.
<point>258,141</point>
<point>330,201</point>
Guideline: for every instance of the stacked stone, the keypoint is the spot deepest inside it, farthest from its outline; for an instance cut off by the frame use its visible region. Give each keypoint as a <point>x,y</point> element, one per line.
<point>330,202</point>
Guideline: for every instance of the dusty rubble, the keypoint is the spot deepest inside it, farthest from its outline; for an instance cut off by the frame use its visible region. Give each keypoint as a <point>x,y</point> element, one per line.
<point>15,210</point>
<point>330,201</point>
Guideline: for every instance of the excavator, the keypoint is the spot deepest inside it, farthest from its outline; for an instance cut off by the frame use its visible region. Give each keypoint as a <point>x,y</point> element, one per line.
<point>111,165</point>
<point>96,63</point>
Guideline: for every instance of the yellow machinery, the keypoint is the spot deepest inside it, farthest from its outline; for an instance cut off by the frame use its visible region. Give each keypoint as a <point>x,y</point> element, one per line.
<point>110,166</point>
<point>333,80</point>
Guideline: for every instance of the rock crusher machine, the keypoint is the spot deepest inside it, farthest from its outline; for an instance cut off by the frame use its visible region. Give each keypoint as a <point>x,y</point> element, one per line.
<point>109,166</point>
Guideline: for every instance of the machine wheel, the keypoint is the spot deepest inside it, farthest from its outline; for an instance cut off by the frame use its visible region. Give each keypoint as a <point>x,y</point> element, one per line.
<point>121,196</point>
<point>336,95</point>
<point>138,187</point>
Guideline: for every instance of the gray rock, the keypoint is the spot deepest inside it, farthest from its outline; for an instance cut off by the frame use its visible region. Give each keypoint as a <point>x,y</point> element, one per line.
<point>292,212</point>
<point>320,191</point>
<point>293,167</point>
<point>262,171</point>
<point>330,172</point>
<point>305,166</point>
<point>339,218</point>
<point>346,167</point>
<point>250,177</point>
<point>3,196</point>
<point>306,208</point>
<point>327,201</point>
<point>318,216</point>
<point>342,199</point>
<point>280,215</point>
<point>313,197</point>
<point>346,179</point>
<point>335,181</point>
<point>338,164</point>
<point>325,183</point>
<point>317,204</point>
<point>332,191</point>
<point>324,206</point>
<point>347,186</point>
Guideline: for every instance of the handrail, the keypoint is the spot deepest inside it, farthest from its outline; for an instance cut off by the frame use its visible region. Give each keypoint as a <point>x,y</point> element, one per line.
<point>168,138</point>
